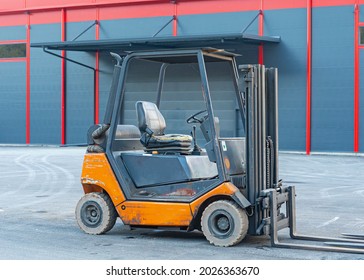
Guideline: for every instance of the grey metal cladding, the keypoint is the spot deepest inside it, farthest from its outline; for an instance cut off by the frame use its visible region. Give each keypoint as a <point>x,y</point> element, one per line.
<point>12,105</point>
<point>79,87</point>
<point>290,58</point>
<point>8,33</point>
<point>134,28</point>
<point>361,105</point>
<point>45,87</point>
<point>332,79</point>
<point>217,23</point>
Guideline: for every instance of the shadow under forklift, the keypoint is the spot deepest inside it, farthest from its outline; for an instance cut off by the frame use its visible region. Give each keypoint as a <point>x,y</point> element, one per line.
<point>228,189</point>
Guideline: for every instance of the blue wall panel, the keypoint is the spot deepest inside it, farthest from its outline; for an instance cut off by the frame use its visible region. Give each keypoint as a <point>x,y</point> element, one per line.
<point>45,88</point>
<point>290,58</point>
<point>13,33</point>
<point>217,23</point>
<point>332,79</point>
<point>12,105</point>
<point>134,28</point>
<point>361,14</point>
<point>361,99</point>
<point>80,87</point>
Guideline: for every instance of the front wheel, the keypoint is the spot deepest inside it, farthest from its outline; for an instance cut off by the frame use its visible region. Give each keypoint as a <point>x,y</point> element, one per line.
<point>224,223</point>
<point>95,213</point>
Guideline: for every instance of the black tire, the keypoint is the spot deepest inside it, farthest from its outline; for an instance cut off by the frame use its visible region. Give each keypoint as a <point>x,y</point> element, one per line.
<point>95,213</point>
<point>224,223</point>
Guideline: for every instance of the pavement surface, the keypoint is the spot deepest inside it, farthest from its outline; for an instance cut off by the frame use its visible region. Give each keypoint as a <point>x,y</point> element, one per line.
<point>40,187</point>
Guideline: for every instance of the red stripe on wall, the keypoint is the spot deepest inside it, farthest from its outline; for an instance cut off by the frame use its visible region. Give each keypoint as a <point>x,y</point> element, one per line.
<point>261,32</point>
<point>77,15</point>
<point>309,77</point>
<point>42,12</point>
<point>63,79</point>
<point>27,85</point>
<point>284,4</point>
<point>356,78</point>
<point>8,42</point>
<point>137,11</point>
<point>12,5</point>
<point>15,59</point>
<point>44,5</point>
<point>13,20</point>
<point>175,20</point>
<point>326,3</point>
<point>215,6</point>
<point>45,17</point>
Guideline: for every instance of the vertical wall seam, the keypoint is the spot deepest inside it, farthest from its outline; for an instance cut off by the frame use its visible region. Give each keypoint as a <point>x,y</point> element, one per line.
<point>63,79</point>
<point>27,82</point>
<point>309,77</point>
<point>356,77</point>
<point>97,74</point>
<point>175,19</point>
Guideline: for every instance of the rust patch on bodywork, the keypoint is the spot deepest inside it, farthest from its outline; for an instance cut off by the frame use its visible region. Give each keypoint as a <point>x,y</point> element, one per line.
<point>155,213</point>
<point>182,192</point>
<point>97,175</point>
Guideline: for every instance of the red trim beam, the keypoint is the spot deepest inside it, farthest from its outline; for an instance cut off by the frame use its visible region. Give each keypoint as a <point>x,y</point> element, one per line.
<point>27,86</point>
<point>309,77</point>
<point>63,79</point>
<point>97,74</point>
<point>356,78</point>
<point>115,9</point>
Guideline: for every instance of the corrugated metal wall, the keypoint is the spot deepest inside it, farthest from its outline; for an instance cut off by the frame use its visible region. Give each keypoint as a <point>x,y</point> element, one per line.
<point>333,62</point>
<point>290,58</point>
<point>79,87</point>
<point>45,87</point>
<point>361,89</point>
<point>12,92</point>
<point>332,79</point>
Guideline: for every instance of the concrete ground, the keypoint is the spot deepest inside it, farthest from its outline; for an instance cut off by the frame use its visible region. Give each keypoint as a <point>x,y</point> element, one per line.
<point>40,187</point>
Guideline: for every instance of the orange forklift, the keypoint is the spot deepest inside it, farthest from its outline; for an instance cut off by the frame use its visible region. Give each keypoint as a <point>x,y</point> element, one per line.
<point>221,182</point>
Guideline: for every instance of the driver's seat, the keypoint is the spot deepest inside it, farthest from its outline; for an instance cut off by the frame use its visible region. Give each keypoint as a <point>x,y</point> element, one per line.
<point>152,124</point>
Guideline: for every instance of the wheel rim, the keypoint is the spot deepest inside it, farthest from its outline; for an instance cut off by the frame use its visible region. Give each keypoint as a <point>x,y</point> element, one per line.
<point>221,224</point>
<point>91,214</point>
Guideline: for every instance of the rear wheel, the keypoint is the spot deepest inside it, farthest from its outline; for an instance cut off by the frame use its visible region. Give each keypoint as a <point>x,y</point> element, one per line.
<point>95,213</point>
<point>224,223</point>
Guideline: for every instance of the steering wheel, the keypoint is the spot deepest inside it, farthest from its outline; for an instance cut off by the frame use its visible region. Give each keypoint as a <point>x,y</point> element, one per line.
<point>194,119</point>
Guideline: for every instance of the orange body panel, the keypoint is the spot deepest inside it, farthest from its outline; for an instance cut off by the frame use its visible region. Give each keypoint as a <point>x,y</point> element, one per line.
<point>168,214</point>
<point>97,175</point>
<point>155,213</point>
<point>225,189</point>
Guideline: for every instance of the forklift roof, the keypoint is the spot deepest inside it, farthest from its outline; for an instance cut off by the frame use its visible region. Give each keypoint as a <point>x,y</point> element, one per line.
<point>219,41</point>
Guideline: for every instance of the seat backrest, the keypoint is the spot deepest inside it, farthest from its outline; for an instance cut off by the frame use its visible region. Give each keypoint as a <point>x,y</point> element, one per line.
<point>124,131</point>
<point>150,117</point>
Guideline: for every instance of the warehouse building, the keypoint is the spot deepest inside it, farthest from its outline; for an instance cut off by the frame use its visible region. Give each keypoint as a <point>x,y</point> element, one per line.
<point>316,45</point>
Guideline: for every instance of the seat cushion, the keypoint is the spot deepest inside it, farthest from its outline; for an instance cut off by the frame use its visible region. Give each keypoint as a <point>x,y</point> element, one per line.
<point>169,140</point>
<point>174,137</point>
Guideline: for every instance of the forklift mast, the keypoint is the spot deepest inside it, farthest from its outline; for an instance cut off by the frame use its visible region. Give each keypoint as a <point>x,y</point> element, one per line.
<point>260,89</point>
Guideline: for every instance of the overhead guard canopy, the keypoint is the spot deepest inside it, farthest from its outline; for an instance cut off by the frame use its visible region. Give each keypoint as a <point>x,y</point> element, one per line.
<point>225,41</point>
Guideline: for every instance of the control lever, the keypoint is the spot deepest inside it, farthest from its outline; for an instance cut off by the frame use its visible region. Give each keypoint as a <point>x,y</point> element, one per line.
<point>196,148</point>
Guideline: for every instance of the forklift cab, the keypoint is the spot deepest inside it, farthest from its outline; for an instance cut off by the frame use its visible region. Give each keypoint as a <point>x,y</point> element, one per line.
<point>172,166</point>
